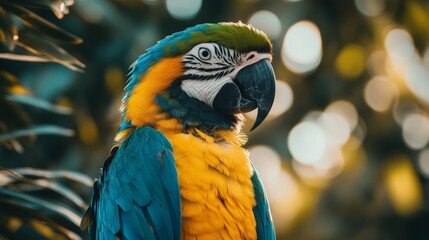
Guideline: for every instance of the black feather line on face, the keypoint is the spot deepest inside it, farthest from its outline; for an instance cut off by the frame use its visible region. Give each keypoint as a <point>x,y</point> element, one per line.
<point>207,69</point>
<point>203,70</point>
<point>203,77</point>
<point>192,56</point>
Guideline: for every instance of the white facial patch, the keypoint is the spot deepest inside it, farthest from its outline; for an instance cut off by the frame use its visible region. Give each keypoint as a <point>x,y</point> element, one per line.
<point>204,90</point>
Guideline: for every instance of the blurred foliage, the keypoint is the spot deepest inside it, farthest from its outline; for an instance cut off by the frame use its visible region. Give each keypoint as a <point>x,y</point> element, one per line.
<point>38,204</point>
<point>378,191</point>
<point>35,204</point>
<point>29,37</point>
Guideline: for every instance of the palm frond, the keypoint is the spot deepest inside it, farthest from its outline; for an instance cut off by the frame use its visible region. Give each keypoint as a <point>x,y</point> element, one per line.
<point>36,130</point>
<point>29,37</point>
<point>12,116</point>
<point>39,103</point>
<point>45,204</point>
<point>14,121</point>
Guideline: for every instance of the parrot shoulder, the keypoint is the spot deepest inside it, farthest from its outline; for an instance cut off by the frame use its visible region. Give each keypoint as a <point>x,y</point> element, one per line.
<point>137,193</point>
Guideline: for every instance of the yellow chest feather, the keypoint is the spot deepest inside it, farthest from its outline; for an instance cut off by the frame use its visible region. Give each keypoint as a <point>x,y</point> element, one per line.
<point>216,190</point>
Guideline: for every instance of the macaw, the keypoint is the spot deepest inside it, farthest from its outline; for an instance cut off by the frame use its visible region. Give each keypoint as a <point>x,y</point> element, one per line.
<point>178,170</point>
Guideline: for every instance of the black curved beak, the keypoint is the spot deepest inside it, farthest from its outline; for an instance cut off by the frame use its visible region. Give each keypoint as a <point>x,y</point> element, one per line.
<point>253,87</point>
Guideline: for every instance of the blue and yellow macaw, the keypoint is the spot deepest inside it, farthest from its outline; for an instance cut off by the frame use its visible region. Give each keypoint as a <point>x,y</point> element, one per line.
<point>179,170</point>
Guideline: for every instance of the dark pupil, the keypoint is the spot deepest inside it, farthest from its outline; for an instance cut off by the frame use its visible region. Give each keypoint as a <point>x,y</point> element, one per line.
<point>205,53</point>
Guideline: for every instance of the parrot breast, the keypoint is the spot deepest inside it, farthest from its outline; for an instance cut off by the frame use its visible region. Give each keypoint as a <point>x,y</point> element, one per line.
<point>216,190</point>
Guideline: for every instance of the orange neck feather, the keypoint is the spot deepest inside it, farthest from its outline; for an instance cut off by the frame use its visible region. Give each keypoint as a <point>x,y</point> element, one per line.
<point>141,108</point>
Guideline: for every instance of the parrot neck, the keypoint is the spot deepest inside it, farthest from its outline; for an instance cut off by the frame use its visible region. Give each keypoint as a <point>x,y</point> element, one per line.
<point>216,190</point>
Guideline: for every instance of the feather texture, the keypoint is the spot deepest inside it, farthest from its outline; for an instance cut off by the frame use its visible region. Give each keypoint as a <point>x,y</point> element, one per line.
<point>215,186</point>
<point>137,196</point>
<point>264,223</point>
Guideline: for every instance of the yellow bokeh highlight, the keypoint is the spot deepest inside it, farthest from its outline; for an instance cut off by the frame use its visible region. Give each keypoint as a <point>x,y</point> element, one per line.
<point>417,19</point>
<point>14,224</point>
<point>13,85</point>
<point>64,102</point>
<point>403,186</point>
<point>114,80</point>
<point>19,90</point>
<point>46,231</point>
<point>350,62</point>
<point>87,129</point>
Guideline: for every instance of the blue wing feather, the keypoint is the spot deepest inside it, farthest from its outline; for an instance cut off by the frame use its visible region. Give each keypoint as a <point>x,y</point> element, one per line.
<point>137,194</point>
<point>264,222</point>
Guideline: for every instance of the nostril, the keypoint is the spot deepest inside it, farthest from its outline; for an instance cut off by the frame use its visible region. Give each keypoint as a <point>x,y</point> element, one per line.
<point>250,57</point>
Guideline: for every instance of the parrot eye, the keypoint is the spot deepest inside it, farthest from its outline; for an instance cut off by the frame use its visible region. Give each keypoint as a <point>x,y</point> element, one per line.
<point>204,53</point>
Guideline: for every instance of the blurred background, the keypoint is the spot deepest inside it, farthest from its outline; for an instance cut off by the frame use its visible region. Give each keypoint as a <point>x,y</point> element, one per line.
<point>343,155</point>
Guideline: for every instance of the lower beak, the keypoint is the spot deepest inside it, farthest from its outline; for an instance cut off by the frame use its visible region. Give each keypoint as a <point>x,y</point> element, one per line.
<point>253,87</point>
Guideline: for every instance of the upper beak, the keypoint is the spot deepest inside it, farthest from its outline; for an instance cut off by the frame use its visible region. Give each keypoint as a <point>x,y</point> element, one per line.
<point>253,87</point>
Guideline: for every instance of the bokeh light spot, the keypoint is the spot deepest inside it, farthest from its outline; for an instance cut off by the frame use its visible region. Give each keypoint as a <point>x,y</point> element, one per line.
<point>329,166</point>
<point>184,9</point>
<point>346,110</point>
<point>370,8</point>
<point>380,93</point>
<point>87,129</point>
<point>350,62</point>
<point>281,188</point>
<point>267,162</point>
<point>302,47</point>
<point>90,11</point>
<point>417,78</point>
<point>376,63</point>
<point>114,80</point>
<point>268,22</point>
<point>415,130</point>
<point>423,162</point>
<point>336,128</point>
<point>399,44</point>
<point>307,142</point>
<point>402,108</point>
<point>283,195</point>
<point>402,185</point>
<point>283,99</point>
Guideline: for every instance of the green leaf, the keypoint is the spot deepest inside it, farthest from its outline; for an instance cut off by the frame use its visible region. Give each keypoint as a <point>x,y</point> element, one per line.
<point>52,174</point>
<point>39,103</point>
<point>33,42</point>
<point>36,207</point>
<point>41,201</point>
<point>37,130</point>
<point>18,200</point>
<point>32,180</point>
<point>25,58</point>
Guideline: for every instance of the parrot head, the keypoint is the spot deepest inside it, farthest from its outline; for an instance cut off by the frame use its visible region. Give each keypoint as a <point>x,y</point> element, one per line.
<point>204,77</point>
